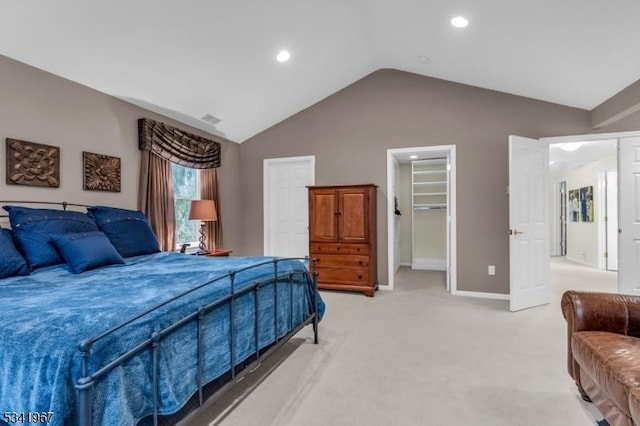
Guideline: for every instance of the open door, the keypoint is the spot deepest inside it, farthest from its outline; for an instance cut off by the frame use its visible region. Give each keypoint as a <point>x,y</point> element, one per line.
<point>611,223</point>
<point>528,212</point>
<point>629,215</point>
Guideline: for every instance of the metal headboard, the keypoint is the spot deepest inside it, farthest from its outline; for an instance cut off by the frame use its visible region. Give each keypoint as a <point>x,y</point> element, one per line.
<point>62,204</point>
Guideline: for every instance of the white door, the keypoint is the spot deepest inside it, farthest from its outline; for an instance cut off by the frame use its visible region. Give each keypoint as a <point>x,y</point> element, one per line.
<point>612,220</point>
<point>528,240</point>
<point>629,215</point>
<point>286,205</point>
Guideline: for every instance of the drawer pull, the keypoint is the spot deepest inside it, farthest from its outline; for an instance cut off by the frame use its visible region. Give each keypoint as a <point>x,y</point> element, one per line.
<point>360,262</point>
<point>359,277</point>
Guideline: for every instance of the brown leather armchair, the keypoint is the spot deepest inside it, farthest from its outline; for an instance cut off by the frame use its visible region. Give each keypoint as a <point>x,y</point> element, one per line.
<point>603,338</point>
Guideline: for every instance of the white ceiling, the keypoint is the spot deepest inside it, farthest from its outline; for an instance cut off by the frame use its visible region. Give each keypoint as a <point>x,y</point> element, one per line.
<point>195,57</point>
<point>561,161</point>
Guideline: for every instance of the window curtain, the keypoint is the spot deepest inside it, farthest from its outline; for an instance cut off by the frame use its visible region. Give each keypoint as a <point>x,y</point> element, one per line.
<point>162,144</point>
<point>209,191</point>
<point>178,146</point>
<point>155,198</point>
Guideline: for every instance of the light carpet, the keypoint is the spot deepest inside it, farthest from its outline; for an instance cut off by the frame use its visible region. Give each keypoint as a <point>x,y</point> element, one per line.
<point>420,356</point>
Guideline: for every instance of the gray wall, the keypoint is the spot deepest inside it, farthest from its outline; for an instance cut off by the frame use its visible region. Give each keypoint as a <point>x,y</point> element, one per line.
<point>350,131</point>
<point>40,107</point>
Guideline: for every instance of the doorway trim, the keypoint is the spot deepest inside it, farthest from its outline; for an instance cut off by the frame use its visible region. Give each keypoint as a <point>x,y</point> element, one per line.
<point>450,151</point>
<point>267,164</point>
<point>594,137</point>
<point>589,137</point>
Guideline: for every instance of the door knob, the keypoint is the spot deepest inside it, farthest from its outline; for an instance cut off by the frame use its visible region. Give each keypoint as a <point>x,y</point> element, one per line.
<point>515,232</point>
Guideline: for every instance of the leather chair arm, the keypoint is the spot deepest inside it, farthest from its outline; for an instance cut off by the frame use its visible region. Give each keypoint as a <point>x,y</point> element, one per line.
<point>591,311</point>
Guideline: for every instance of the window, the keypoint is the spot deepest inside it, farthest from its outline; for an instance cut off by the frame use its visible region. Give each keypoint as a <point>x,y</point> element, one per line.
<point>186,187</point>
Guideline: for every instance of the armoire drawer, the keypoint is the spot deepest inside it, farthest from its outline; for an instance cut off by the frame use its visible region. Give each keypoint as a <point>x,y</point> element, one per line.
<point>341,260</point>
<point>339,248</point>
<point>346,276</point>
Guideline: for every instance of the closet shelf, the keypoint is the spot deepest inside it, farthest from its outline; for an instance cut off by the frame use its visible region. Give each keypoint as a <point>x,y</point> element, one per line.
<point>429,172</point>
<point>418,194</point>
<point>429,206</point>
<point>444,182</point>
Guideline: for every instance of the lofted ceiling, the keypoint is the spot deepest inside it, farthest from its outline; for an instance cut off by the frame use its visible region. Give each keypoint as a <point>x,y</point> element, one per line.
<point>190,58</point>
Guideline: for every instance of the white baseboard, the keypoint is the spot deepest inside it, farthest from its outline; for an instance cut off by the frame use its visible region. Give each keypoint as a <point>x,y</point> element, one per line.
<point>405,263</point>
<point>429,264</point>
<point>582,262</point>
<point>481,295</point>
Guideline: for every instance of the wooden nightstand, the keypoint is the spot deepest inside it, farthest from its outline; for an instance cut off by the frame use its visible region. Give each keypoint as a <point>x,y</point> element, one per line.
<point>220,252</point>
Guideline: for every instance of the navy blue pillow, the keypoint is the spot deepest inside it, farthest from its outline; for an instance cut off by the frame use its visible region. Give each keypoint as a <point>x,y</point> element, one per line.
<point>84,251</point>
<point>35,229</point>
<point>128,230</point>
<point>11,261</point>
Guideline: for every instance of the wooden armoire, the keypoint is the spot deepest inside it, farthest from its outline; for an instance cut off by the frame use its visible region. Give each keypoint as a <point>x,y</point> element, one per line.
<point>342,237</point>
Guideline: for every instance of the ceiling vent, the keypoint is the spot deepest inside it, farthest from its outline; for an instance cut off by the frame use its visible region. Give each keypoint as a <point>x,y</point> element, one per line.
<point>210,119</point>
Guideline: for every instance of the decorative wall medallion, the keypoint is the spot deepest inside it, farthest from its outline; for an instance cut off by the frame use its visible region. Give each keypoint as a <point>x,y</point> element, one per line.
<point>32,164</point>
<point>101,172</point>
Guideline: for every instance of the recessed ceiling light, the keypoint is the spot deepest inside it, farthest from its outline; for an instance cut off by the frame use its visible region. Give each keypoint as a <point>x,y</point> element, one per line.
<point>459,22</point>
<point>283,56</point>
<point>413,157</point>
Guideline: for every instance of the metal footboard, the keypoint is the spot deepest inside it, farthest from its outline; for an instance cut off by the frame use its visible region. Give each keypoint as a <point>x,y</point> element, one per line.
<point>88,380</point>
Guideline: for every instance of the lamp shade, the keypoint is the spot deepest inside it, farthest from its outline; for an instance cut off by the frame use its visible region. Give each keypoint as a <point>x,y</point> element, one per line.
<point>204,210</point>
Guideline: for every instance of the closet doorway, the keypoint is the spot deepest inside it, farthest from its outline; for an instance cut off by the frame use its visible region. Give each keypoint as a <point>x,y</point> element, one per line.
<point>421,214</point>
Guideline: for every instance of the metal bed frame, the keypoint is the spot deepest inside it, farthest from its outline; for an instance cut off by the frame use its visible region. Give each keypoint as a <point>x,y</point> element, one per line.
<point>86,383</point>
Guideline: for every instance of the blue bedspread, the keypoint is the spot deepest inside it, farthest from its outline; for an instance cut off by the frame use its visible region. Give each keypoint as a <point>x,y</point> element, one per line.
<point>47,313</point>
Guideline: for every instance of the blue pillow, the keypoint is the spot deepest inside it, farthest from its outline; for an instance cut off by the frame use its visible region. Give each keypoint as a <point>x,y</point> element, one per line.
<point>11,261</point>
<point>128,230</point>
<point>84,251</point>
<point>35,229</point>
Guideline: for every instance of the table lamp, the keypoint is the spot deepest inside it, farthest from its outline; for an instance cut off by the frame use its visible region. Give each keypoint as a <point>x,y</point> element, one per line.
<point>204,211</point>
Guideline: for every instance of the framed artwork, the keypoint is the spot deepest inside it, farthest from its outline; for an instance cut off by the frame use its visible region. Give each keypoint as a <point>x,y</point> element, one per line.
<point>574,205</point>
<point>32,164</point>
<point>101,172</point>
<point>586,203</point>
<point>581,204</point>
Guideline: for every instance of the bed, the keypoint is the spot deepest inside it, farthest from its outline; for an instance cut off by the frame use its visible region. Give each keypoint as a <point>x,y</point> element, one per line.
<point>133,341</point>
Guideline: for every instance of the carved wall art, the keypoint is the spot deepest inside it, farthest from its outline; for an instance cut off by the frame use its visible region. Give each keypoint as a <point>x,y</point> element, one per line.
<point>101,172</point>
<point>32,164</point>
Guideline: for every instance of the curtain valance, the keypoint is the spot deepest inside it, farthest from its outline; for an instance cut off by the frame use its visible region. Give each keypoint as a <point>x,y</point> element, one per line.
<point>178,146</point>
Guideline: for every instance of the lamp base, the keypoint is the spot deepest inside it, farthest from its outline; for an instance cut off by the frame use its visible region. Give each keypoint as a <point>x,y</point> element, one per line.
<point>202,246</point>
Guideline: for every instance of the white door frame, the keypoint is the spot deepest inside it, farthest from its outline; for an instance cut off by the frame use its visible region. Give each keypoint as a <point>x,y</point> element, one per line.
<point>589,137</point>
<point>391,176</point>
<point>267,164</point>
<point>611,227</point>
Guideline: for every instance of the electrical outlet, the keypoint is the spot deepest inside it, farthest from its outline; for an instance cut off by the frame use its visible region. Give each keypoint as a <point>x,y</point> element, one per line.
<point>492,269</point>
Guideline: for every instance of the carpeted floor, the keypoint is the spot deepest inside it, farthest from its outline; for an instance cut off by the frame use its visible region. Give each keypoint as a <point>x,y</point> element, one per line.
<point>420,356</point>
